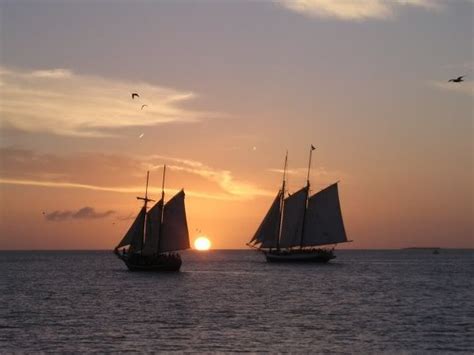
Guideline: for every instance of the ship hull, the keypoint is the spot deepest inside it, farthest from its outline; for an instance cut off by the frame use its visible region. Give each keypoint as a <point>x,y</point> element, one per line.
<point>300,256</point>
<point>159,263</point>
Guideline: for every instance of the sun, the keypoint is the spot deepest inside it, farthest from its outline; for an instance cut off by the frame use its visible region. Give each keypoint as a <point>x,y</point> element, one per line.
<point>202,243</point>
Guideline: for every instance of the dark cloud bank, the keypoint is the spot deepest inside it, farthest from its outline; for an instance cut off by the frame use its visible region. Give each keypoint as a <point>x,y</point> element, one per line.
<point>83,213</point>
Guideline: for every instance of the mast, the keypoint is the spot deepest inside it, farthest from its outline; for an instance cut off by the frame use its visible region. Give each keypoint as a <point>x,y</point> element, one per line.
<point>145,201</point>
<point>282,199</point>
<point>162,205</point>
<point>309,164</point>
<point>307,194</point>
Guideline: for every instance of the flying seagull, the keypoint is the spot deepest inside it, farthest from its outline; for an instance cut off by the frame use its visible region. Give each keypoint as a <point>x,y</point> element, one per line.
<point>457,80</point>
<point>141,135</point>
<point>134,94</point>
<point>144,106</point>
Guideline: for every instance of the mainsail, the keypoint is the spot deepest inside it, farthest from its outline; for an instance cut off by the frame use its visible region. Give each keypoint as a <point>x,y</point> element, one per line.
<point>153,222</point>
<point>134,236</point>
<point>174,232</point>
<point>291,230</point>
<point>267,233</point>
<point>323,220</point>
<point>301,222</point>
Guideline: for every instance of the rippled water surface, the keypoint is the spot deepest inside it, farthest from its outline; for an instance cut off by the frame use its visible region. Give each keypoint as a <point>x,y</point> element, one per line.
<point>365,301</point>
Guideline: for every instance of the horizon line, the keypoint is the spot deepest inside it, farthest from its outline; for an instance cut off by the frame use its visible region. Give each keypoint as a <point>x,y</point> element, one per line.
<point>237,249</point>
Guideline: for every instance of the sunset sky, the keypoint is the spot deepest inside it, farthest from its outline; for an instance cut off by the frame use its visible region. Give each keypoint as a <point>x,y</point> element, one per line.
<point>230,86</point>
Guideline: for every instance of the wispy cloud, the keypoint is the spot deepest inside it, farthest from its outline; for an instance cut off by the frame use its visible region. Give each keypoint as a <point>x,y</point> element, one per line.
<point>223,178</point>
<point>320,176</point>
<point>53,73</point>
<point>225,196</point>
<point>61,102</point>
<point>83,213</point>
<point>66,184</point>
<point>354,10</point>
<point>113,173</point>
<point>126,218</point>
<point>317,172</point>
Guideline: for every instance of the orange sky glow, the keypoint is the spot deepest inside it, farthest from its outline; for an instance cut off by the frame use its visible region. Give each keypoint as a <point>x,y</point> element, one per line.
<point>229,88</point>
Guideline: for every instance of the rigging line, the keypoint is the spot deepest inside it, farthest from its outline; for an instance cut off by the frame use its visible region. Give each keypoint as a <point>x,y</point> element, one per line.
<point>282,203</point>
<point>162,207</point>
<point>307,195</point>
<point>144,207</point>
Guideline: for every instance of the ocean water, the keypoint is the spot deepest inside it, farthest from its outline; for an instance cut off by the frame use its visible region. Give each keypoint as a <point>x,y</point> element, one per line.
<point>228,301</point>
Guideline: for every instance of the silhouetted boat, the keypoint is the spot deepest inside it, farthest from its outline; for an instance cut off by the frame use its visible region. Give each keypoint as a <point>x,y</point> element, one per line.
<point>156,235</point>
<point>295,227</point>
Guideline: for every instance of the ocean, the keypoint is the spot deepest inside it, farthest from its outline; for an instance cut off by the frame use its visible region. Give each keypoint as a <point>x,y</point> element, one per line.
<point>393,301</point>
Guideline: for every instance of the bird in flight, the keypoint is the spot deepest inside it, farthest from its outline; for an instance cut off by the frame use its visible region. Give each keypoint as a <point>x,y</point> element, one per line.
<point>457,80</point>
<point>141,135</point>
<point>144,106</point>
<point>134,94</point>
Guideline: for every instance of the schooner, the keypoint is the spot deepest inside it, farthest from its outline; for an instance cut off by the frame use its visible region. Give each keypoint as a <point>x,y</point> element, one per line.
<point>296,227</point>
<point>156,235</point>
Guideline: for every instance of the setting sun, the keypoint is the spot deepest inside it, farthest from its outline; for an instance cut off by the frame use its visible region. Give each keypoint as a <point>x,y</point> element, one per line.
<point>202,243</point>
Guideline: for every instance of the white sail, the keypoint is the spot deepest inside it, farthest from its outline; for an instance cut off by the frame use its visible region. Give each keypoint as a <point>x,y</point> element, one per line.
<point>134,236</point>
<point>292,225</point>
<point>267,232</point>
<point>323,222</point>
<point>174,231</point>
<point>152,234</point>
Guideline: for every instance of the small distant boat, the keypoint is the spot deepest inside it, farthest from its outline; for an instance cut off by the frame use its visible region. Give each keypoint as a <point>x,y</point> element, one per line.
<point>296,227</point>
<point>434,250</point>
<point>156,235</point>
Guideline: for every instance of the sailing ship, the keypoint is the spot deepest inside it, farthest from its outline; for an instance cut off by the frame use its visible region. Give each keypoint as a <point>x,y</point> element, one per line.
<point>296,227</point>
<point>153,239</point>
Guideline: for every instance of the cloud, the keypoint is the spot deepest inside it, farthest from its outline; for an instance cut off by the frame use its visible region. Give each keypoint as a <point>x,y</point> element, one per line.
<point>88,212</point>
<point>128,217</point>
<point>61,102</point>
<point>464,88</point>
<point>53,73</point>
<point>353,9</point>
<point>118,173</point>
<point>319,177</point>
<point>83,213</point>
<point>223,178</point>
<point>320,171</point>
<point>128,189</point>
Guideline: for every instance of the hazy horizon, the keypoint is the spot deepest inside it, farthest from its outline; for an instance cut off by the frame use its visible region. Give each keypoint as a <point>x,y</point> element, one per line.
<point>237,249</point>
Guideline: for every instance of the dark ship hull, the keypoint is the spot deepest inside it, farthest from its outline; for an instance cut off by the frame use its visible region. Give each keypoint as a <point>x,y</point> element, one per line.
<point>157,263</point>
<point>300,256</point>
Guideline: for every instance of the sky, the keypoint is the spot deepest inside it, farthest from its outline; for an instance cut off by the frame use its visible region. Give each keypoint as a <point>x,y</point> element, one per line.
<point>230,86</point>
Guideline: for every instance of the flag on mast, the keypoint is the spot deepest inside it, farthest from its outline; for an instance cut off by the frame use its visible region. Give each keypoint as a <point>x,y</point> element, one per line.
<point>313,147</point>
